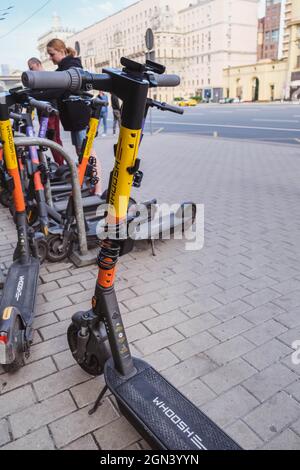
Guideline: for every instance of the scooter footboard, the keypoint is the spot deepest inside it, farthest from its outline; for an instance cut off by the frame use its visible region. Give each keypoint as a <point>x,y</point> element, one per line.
<point>162,415</point>
<point>20,289</point>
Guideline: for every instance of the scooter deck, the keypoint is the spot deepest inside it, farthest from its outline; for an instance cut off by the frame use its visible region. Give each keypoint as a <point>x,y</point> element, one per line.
<point>162,415</point>
<point>89,204</point>
<point>20,288</point>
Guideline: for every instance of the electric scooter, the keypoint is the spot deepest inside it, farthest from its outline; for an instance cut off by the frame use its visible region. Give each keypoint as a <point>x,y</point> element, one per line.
<point>19,294</point>
<point>87,165</point>
<point>162,415</point>
<point>61,241</point>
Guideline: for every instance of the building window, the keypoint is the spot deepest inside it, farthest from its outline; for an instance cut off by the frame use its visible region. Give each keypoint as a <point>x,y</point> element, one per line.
<point>268,36</point>
<point>298,62</point>
<point>275,35</point>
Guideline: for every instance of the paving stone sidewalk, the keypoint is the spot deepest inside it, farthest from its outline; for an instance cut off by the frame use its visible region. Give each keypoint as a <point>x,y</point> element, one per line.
<point>218,323</point>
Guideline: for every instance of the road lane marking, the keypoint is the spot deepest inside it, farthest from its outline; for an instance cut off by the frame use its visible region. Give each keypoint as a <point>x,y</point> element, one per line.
<point>275,120</point>
<point>195,114</point>
<point>158,131</point>
<point>229,126</point>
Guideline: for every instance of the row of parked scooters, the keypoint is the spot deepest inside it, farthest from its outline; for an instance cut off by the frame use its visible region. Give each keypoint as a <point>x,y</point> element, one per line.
<point>56,212</point>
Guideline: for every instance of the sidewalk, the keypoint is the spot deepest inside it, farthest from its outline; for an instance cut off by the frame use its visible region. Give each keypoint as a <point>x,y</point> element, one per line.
<point>218,323</point>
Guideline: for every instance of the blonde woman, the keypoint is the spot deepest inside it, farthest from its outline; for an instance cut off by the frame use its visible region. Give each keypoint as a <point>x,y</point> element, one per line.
<point>74,115</point>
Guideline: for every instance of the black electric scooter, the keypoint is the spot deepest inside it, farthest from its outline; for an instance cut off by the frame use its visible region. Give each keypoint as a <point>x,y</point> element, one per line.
<point>162,415</point>
<point>19,294</point>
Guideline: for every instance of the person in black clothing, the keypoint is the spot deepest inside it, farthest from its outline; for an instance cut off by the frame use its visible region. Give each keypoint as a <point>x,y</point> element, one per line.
<point>53,131</point>
<point>74,114</point>
<point>115,104</point>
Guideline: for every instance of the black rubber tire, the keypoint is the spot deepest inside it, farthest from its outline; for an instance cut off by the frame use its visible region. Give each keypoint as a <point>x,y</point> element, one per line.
<point>54,255</point>
<point>42,250</point>
<point>94,368</point>
<point>6,198</point>
<point>19,351</point>
<point>61,170</point>
<point>52,166</point>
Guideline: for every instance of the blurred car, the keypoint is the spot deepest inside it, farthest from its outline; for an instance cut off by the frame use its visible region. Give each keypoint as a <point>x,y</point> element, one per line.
<point>230,100</point>
<point>189,102</point>
<point>226,100</point>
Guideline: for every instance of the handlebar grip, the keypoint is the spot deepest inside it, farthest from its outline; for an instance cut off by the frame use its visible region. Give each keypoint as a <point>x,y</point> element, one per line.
<point>42,106</point>
<point>15,116</point>
<point>167,80</point>
<point>68,80</point>
<point>172,109</point>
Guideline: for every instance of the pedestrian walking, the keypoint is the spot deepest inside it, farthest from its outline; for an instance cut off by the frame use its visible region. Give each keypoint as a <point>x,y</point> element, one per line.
<point>53,132</point>
<point>74,114</point>
<point>104,113</point>
<point>116,107</point>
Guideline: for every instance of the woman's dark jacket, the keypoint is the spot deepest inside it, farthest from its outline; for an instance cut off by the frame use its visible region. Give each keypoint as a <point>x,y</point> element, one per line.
<point>75,115</point>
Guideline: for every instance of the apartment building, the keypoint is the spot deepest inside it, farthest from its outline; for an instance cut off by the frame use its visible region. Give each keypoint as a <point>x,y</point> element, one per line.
<point>271,79</point>
<point>196,39</point>
<point>216,34</point>
<point>269,31</point>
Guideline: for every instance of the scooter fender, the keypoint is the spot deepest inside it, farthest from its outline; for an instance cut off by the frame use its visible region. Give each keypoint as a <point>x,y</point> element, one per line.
<point>7,321</point>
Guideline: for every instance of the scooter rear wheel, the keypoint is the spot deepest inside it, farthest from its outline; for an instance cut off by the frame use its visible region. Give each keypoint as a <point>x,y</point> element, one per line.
<point>56,251</point>
<point>18,344</point>
<point>5,198</point>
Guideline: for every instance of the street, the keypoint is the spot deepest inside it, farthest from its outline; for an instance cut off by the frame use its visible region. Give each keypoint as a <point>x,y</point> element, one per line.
<point>219,323</point>
<point>258,122</point>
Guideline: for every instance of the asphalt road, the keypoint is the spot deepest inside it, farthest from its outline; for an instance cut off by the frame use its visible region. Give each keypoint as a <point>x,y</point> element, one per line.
<point>258,122</point>
<point>255,122</point>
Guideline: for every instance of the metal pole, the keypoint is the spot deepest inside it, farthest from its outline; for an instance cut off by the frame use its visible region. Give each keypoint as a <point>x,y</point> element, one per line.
<point>151,124</point>
<point>27,142</point>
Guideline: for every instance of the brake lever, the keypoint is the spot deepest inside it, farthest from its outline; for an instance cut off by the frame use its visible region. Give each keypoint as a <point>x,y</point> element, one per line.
<point>164,106</point>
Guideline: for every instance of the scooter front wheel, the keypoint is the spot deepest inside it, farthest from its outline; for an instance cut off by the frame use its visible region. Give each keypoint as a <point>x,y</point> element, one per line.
<point>42,248</point>
<point>95,357</point>
<point>57,251</point>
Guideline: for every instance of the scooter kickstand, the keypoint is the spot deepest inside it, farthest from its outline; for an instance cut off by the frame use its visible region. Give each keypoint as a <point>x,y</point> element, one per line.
<point>153,247</point>
<point>98,401</point>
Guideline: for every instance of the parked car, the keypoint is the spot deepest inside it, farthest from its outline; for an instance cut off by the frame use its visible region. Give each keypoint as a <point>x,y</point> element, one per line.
<point>189,102</point>
<point>229,100</point>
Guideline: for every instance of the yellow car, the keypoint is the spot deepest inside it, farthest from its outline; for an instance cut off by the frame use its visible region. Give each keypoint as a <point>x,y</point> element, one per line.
<point>189,102</point>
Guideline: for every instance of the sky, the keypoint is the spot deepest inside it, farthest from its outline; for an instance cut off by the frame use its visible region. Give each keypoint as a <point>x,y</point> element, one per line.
<point>20,44</point>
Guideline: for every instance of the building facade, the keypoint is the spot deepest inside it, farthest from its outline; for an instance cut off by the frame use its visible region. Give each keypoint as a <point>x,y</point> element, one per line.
<point>269,31</point>
<point>293,57</point>
<point>10,81</point>
<point>56,31</point>
<point>271,79</point>
<point>211,36</point>
<point>196,39</point>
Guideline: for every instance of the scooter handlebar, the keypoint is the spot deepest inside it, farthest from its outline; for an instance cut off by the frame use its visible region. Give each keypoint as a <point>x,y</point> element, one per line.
<point>42,106</point>
<point>68,80</point>
<point>167,80</point>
